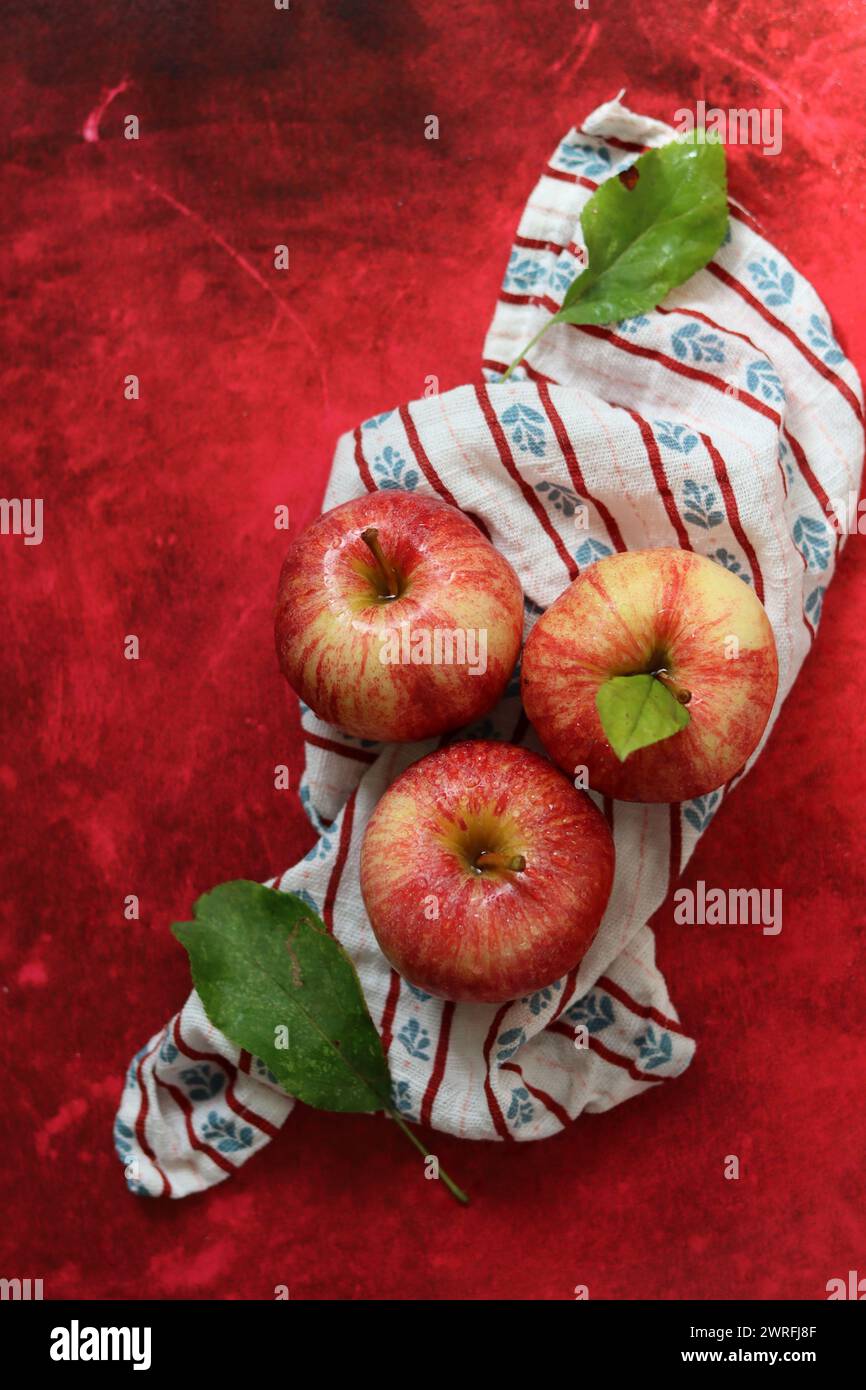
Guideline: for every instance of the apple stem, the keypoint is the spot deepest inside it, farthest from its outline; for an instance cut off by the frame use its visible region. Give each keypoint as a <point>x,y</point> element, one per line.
<point>386,571</point>
<point>456,1192</point>
<point>490,859</point>
<point>678,691</point>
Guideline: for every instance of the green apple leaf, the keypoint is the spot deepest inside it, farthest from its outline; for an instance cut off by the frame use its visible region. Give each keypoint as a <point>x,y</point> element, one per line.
<point>647,231</point>
<point>272,978</point>
<point>636,711</point>
<point>274,981</point>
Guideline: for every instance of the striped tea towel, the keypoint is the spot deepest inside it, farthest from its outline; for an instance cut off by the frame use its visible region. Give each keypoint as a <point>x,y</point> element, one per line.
<point>727,422</point>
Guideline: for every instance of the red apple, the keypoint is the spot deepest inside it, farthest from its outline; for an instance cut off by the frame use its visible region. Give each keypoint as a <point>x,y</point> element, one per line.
<point>685,621</point>
<point>485,874</point>
<point>396,619</point>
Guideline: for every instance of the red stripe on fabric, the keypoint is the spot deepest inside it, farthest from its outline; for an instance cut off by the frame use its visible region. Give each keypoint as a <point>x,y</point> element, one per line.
<point>141,1118</point>
<point>339,863</point>
<point>743,396</point>
<point>330,745</point>
<point>439,1063</point>
<point>693,373</point>
<point>661,480</point>
<point>361,462</point>
<point>231,1073</point>
<point>387,1028</point>
<point>605,1053</point>
<point>537,301</point>
<point>547,1101</point>
<point>529,495</point>
<point>530,371</point>
<point>732,509</point>
<point>618,144</point>
<point>529,243</point>
<point>245,1062</point>
<point>492,1103</point>
<point>681,368</point>
<point>675,858</point>
<point>734,284</point>
<point>566,448</point>
<point>816,488</point>
<point>711,323</point>
<point>185,1107</point>
<point>642,1010</point>
<point>563,177</point>
<point>423,460</point>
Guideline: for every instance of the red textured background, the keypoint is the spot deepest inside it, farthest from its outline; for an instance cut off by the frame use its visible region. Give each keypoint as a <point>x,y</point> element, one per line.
<point>156,777</point>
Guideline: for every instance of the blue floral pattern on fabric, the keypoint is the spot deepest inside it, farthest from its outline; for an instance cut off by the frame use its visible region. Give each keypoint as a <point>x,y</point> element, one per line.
<point>594,1012</point>
<point>812,539</point>
<point>762,379</point>
<point>525,427</point>
<point>203,1081</point>
<point>633,325</point>
<point>563,499</point>
<point>675,436</point>
<point>542,998</point>
<point>821,337</point>
<point>124,1148</point>
<point>377,420</point>
<point>700,811</point>
<point>520,1110</point>
<point>591,161</point>
<point>132,1069</point>
<point>522,273</point>
<point>730,562</point>
<point>402,1097</point>
<point>775,286</point>
<point>509,1043</point>
<point>415,1039</point>
<point>699,505</point>
<point>564,269</point>
<point>226,1135</point>
<point>691,343</point>
<point>655,1048</point>
<point>590,551</point>
<point>393,471</point>
<point>815,605</point>
<point>320,850</point>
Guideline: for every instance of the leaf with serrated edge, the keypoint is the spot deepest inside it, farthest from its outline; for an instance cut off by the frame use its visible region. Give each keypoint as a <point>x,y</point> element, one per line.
<point>644,240</point>
<point>636,711</point>
<point>262,959</point>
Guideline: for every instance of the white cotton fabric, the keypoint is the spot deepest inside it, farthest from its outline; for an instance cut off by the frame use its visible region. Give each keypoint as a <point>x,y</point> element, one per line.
<point>738,365</point>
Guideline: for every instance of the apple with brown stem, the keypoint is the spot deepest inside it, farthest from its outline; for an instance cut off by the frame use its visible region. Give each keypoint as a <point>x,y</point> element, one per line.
<point>656,672</point>
<point>485,873</point>
<point>396,618</point>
